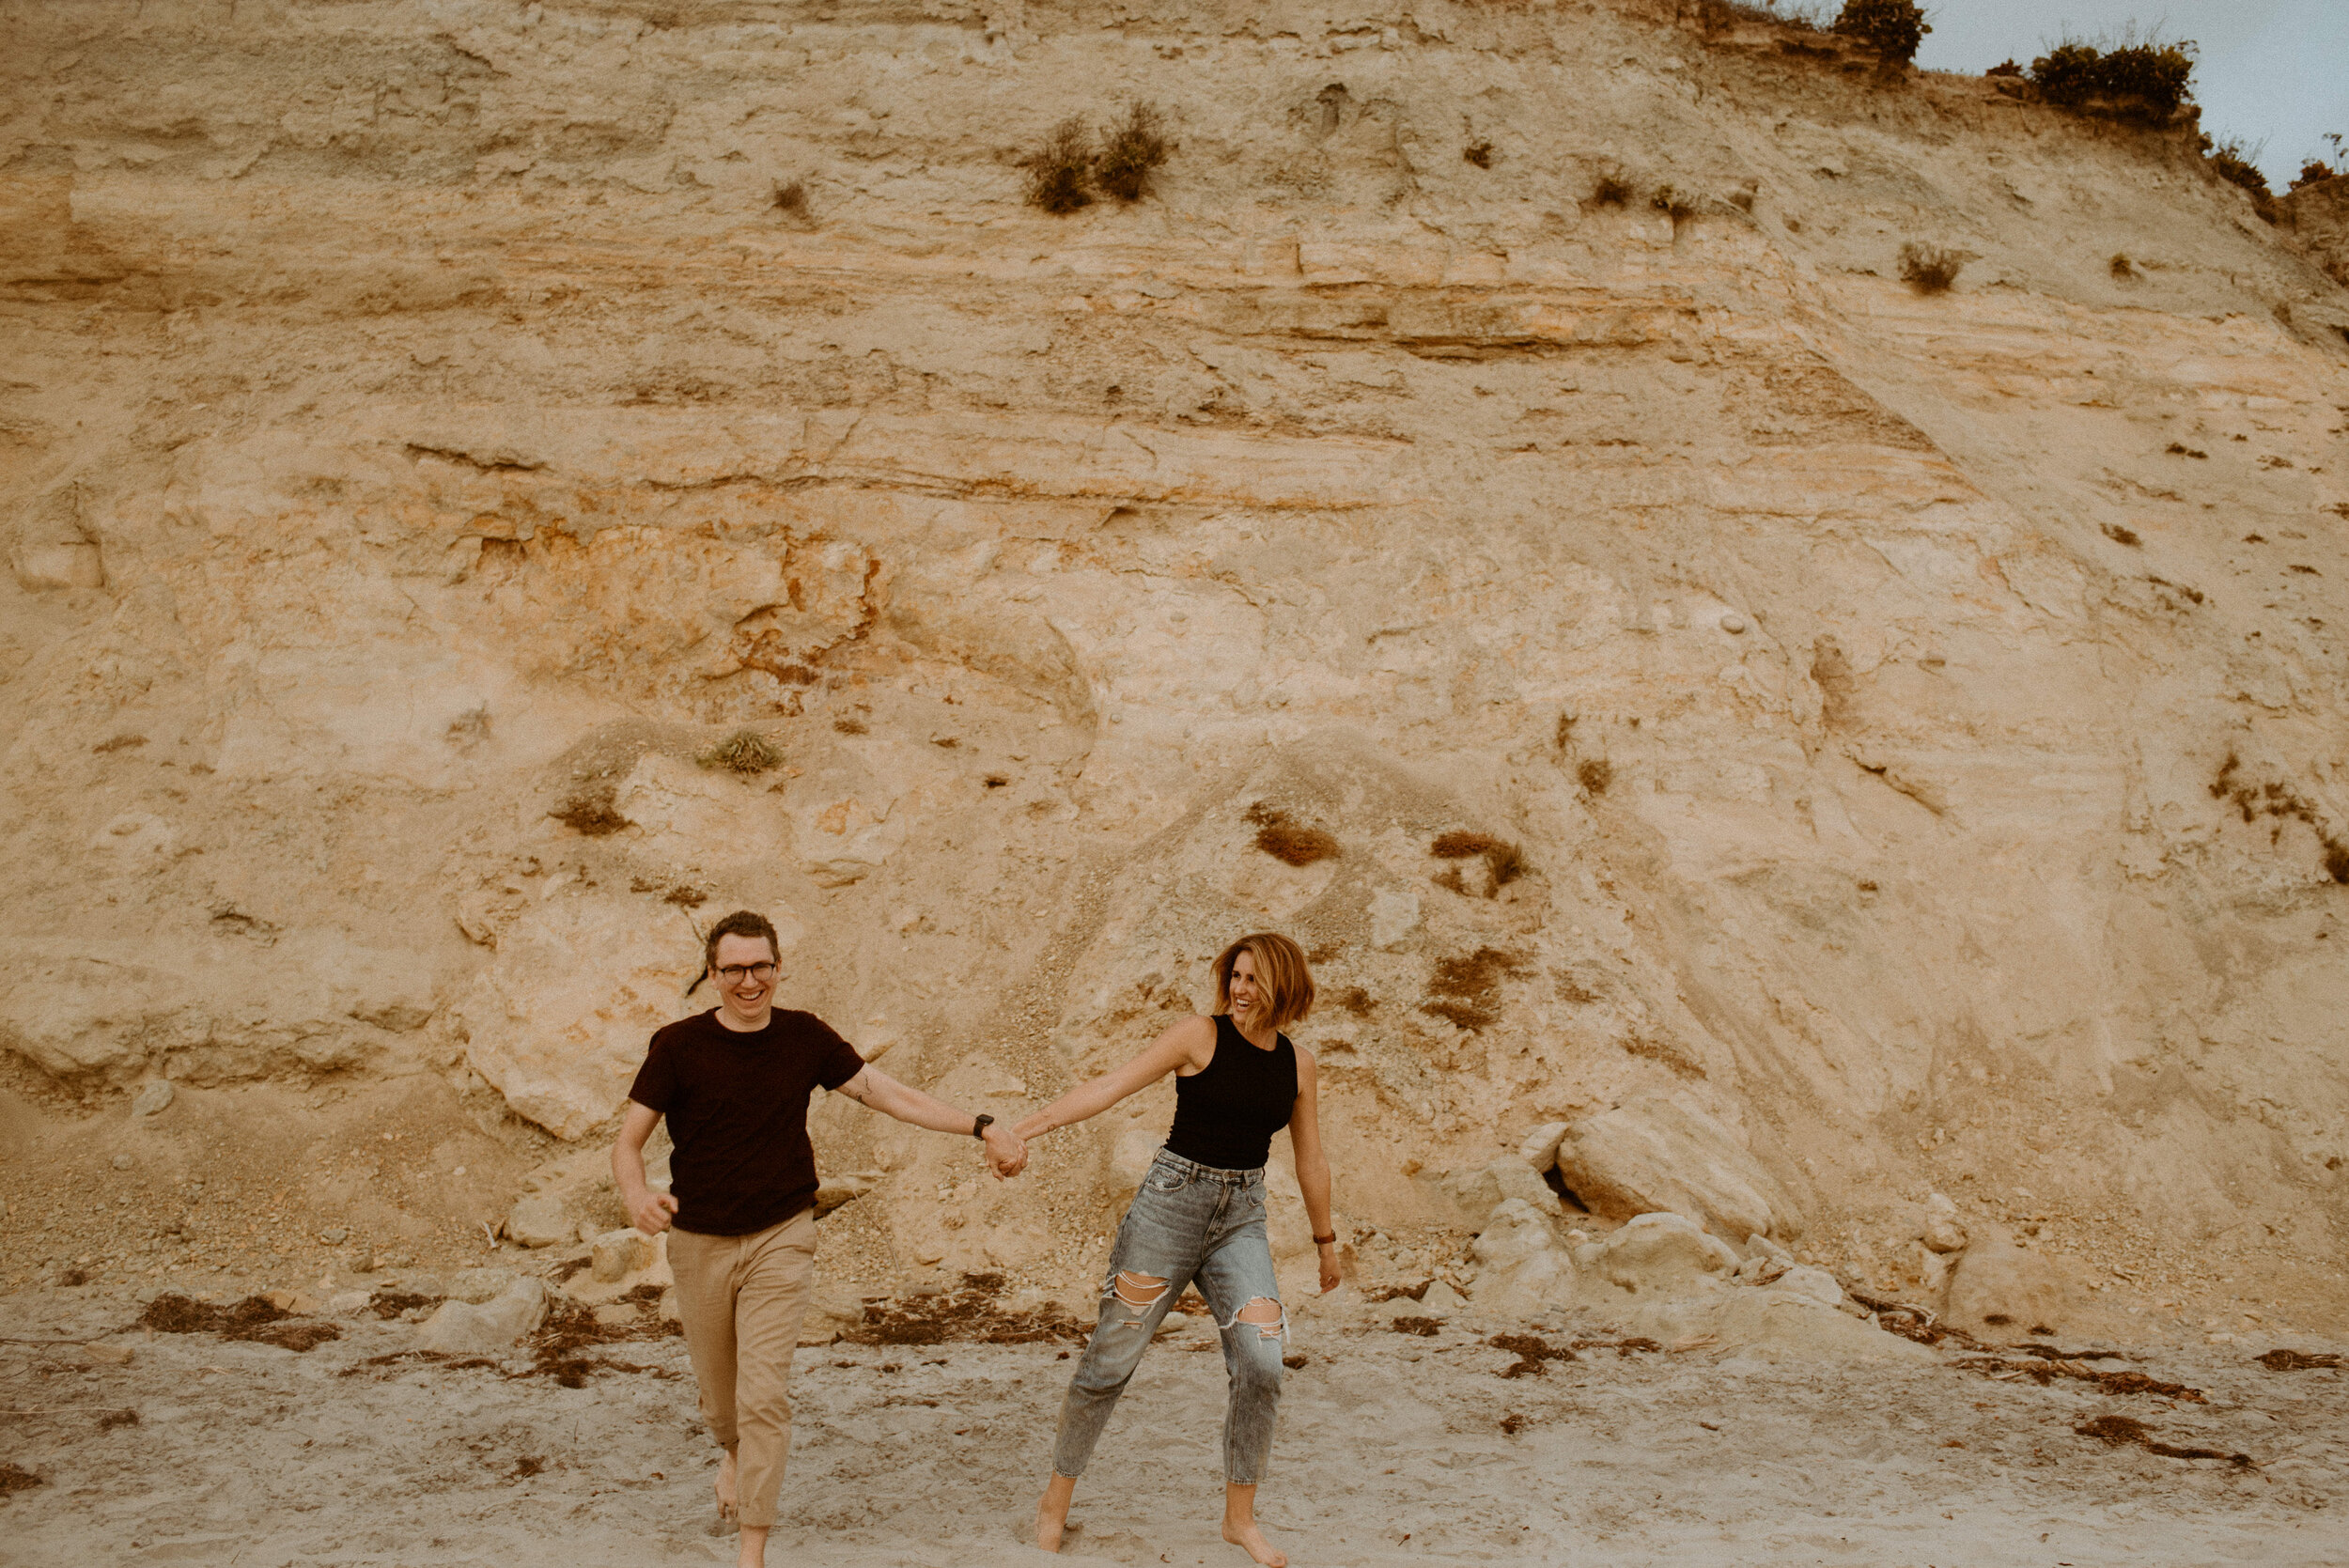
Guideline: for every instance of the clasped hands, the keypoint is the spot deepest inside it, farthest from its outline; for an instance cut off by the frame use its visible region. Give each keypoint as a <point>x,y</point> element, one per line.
<point>1006,1151</point>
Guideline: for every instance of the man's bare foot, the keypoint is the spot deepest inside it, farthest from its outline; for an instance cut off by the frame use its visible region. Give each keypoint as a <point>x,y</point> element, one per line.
<point>1051,1511</point>
<point>727,1498</point>
<point>1245,1534</point>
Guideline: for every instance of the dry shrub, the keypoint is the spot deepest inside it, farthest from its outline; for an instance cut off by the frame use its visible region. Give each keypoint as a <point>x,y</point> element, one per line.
<point>1504,862</point>
<point>2121,535</point>
<point>15,1477</point>
<point>1595,774</point>
<point>2122,269</point>
<point>1466,992</point>
<point>1356,1001</point>
<point>2004,68</point>
<point>2296,1360</point>
<point>1929,269</point>
<point>1426,1327</point>
<point>849,727</point>
<point>1674,203</point>
<point>1286,839</point>
<point>2145,81</point>
<point>1479,153</point>
<point>1060,173</point>
<point>2237,165</point>
<point>592,812</point>
<point>791,201</point>
<point>1794,16</point>
<point>1612,190</point>
<point>1132,149</point>
<point>743,751</point>
<point>2180,449</point>
<point>1893,28</point>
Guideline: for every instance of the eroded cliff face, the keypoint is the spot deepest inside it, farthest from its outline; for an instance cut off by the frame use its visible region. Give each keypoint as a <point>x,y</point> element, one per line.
<point>1922,716</point>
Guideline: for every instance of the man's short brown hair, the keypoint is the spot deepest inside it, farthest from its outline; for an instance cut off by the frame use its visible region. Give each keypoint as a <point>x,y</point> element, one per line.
<point>742,923</point>
<point>1281,975</point>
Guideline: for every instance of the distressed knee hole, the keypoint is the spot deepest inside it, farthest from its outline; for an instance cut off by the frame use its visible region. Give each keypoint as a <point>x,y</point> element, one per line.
<point>1139,1290</point>
<point>1266,1316</point>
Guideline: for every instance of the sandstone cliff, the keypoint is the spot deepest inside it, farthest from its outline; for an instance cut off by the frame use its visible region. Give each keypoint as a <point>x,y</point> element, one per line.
<point>430,430</point>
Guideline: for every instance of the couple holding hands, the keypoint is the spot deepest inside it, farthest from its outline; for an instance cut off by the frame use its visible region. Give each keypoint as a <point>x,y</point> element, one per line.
<point>735,1083</point>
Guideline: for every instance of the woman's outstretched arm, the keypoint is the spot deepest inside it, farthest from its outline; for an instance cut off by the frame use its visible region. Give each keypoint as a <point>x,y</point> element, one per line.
<point>1191,1041</point>
<point>1313,1167</point>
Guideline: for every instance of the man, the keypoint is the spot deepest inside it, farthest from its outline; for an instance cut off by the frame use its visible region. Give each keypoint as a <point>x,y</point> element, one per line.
<point>735,1082</point>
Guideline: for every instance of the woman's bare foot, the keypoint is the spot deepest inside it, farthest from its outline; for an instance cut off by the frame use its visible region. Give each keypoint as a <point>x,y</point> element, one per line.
<point>1245,1534</point>
<point>1240,1529</point>
<point>727,1498</point>
<point>754,1548</point>
<point>1051,1511</point>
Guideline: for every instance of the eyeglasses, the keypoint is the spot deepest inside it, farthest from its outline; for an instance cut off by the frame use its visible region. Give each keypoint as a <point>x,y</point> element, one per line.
<point>734,974</point>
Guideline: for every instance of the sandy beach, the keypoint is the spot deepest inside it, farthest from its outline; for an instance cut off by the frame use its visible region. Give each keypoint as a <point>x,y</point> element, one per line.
<point>1396,1447</point>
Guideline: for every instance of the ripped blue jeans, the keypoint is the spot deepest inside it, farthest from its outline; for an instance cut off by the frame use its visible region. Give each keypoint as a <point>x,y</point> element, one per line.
<point>1187,1222</point>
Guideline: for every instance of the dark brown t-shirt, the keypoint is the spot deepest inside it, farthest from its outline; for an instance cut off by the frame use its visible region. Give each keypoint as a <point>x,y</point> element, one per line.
<point>736,1105</point>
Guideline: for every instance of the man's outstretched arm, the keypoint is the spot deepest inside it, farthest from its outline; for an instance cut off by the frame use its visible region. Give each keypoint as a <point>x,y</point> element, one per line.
<point>649,1210</point>
<point>876,1091</point>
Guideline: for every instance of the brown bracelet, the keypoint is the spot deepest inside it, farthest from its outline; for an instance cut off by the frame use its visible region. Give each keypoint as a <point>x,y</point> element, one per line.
<point>1330,1240</point>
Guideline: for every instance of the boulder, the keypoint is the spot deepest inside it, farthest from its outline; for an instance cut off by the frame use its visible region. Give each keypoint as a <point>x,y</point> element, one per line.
<point>1998,1291</point>
<point>1937,1227</point>
<point>1481,1190</point>
<point>1664,1254</point>
<point>478,1286</point>
<point>846,1187</point>
<point>617,1254</point>
<point>538,1220</point>
<point>152,1098</point>
<point>1816,1283</point>
<point>1667,1153</point>
<point>1540,1148</point>
<point>489,1327</point>
<point>1441,1300</point>
<point>1790,1325</point>
<point>831,1314</point>
<point>1521,1268</point>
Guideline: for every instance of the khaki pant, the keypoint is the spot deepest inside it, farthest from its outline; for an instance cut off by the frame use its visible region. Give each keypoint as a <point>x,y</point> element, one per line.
<point>742,1298</point>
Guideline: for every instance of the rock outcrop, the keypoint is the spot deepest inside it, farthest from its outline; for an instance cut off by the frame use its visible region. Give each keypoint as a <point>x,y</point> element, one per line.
<point>1821,742</point>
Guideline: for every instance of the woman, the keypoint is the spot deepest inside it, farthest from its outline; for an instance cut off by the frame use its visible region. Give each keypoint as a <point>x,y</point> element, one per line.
<point>1200,1215</point>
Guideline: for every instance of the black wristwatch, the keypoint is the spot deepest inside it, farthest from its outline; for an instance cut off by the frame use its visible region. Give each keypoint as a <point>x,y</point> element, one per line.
<point>980,1124</point>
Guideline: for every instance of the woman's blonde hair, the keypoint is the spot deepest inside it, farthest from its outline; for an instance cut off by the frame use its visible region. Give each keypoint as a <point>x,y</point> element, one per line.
<point>1281,975</point>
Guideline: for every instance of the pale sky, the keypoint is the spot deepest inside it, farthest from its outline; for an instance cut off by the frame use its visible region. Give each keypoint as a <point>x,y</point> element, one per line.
<point>2272,70</point>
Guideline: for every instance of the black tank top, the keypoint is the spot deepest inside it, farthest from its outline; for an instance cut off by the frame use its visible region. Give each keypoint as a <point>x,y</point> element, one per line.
<point>1225,1115</point>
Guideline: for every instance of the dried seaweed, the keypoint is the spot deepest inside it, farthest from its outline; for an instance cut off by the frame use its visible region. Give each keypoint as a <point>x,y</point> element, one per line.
<point>1532,1354</point>
<point>968,1313</point>
<point>255,1318</point>
<point>2121,1431</point>
<point>2295,1360</point>
<point>2045,1372</point>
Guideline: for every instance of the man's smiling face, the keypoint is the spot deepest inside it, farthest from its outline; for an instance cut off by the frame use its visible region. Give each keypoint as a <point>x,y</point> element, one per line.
<point>745,968</point>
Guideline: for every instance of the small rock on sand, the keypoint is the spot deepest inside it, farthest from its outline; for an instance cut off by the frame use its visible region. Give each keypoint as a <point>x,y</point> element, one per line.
<point>478,1286</point>
<point>1479,1191</point>
<point>489,1327</point>
<point>1664,1254</point>
<point>1998,1291</point>
<point>618,1254</point>
<point>539,1220</point>
<point>152,1097</point>
<point>1442,1300</point>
